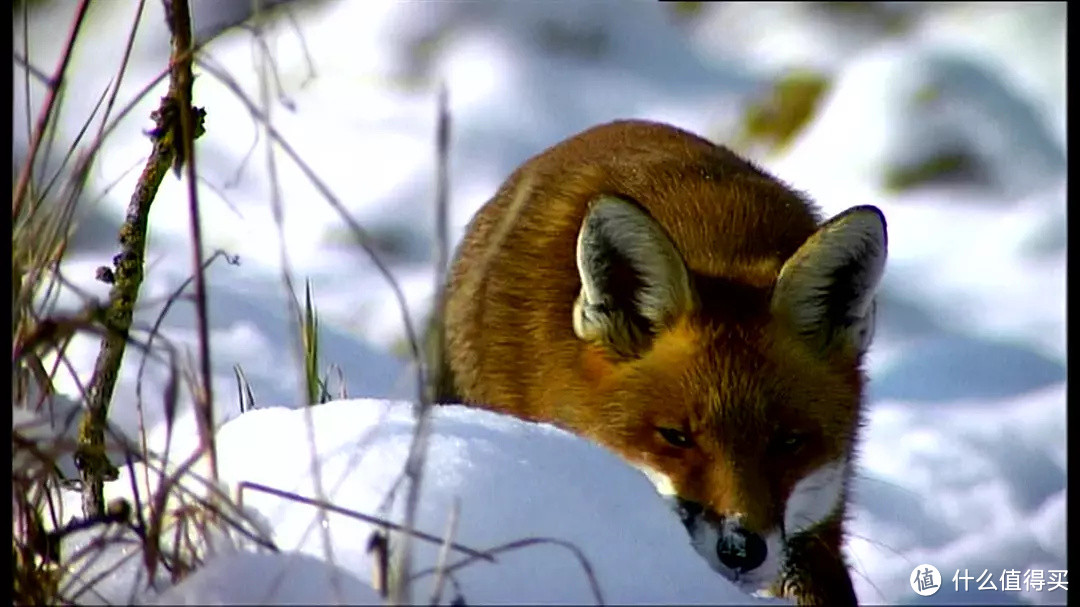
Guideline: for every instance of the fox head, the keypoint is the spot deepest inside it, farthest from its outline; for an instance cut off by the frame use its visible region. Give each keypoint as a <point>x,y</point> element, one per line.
<point>759,386</point>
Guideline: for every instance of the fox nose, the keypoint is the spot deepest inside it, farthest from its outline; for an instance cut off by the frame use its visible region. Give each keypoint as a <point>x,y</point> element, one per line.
<point>739,548</point>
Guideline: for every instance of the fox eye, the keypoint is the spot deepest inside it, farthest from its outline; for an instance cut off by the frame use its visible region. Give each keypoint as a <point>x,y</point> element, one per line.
<point>789,442</point>
<point>677,438</point>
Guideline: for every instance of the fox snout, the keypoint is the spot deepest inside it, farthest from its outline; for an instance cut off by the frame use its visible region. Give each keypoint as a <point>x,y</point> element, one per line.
<point>736,546</point>
<point>723,540</point>
<point>763,559</point>
<point>739,548</point>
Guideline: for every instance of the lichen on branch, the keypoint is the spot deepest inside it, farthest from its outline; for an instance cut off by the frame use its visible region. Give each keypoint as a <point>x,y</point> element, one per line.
<point>126,275</point>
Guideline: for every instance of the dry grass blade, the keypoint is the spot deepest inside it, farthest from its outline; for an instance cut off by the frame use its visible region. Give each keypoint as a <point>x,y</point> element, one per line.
<point>414,463</point>
<point>30,69</point>
<point>442,189</point>
<point>359,233</point>
<point>123,65</point>
<point>444,552</point>
<point>46,153</point>
<point>36,576</point>
<point>39,244</point>
<point>413,467</point>
<point>154,530</point>
<point>218,504</point>
<point>439,380</point>
<point>47,110</point>
<point>44,194</point>
<point>29,337</point>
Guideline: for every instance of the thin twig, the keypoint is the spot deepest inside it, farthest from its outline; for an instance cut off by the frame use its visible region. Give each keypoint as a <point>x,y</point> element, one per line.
<point>267,67</point>
<point>31,70</point>
<point>303,46</point>
<point>171,386</point>
<point>374,520</point>
<point>259,44</point>
<point>178,14</point>
<point>128,276</point>
<point>46,153</point>
<point>586,566</point>
<point>169,301</point>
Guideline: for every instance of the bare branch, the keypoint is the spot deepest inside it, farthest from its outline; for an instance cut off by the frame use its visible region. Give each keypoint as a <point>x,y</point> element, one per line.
<point>170,117</point>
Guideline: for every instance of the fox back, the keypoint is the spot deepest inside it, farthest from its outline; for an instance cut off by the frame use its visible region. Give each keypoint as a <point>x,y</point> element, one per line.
<point>649,290</point>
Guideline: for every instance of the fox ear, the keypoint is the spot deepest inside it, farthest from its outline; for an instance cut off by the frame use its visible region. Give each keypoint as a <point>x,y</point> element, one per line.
<point>633,280</point>
<point>826,289</point>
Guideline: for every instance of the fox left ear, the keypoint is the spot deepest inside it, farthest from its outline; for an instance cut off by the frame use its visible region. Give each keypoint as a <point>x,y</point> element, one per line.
<point>826,289</point>
<point>634,283</point>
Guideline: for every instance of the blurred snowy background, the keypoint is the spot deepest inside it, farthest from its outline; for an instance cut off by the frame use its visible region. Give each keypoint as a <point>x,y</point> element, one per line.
<point>950,117</point>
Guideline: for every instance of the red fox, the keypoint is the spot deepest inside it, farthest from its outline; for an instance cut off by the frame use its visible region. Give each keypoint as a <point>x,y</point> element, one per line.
<point>644,288</point>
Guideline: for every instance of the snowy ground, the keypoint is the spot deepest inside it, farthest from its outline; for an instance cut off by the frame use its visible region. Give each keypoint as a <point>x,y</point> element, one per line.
<point>963,460</point>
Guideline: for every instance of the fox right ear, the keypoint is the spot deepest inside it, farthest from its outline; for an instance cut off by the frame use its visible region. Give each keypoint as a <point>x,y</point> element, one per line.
<point>826,289</point>
<point>633,280</point>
